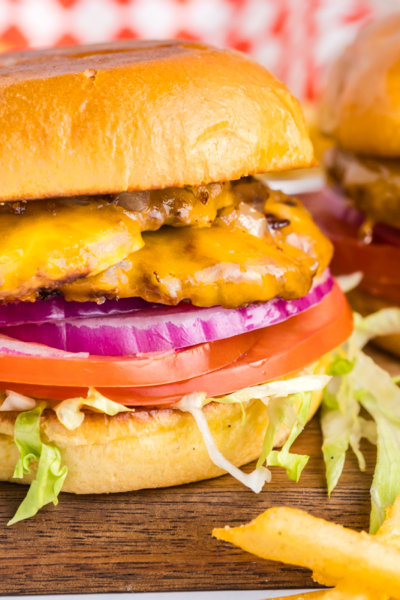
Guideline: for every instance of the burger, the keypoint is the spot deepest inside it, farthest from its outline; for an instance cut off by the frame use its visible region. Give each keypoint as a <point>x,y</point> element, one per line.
<point>360,113</point>
<point>164,316</point>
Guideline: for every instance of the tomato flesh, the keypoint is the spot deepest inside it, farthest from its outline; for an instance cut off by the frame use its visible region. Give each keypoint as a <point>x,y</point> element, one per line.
<point>280,349</point>
<point>103,371</point>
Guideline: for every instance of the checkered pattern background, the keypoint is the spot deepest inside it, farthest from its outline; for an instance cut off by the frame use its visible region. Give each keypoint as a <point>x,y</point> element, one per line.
<point>293,38</point>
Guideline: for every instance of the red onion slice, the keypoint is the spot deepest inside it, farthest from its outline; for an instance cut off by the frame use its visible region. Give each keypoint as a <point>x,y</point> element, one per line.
<point>57,309</point>
<point>164,328</point>
<point>17,347</point>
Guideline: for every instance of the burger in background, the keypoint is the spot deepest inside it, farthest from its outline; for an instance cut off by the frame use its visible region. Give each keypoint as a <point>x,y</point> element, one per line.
<point>360,212</point>
<point>164,317</point>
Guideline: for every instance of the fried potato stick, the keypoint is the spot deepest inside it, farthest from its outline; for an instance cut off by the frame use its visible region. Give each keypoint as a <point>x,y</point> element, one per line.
<point>307,596</point>
<point>330,595</point>
<point>389,533</point>
<point>336,555</point>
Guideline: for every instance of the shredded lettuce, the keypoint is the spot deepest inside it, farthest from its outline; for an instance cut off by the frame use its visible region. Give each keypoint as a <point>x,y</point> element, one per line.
<point>280,398</point>
<point>336,434</point>
<point>359,381</point>
<point>27,438</point>
<point>293,463</point>
<point>341,430</point>
<point>69,412</point>
<point>193,403</point>
<point>386,482</point>
<point>340,366</point>
<point>383,322</point>
<point>279,389</point>
<point>341,423</point>
<point>380,396</point>
<point>277,411</point>
<point>50,475</point>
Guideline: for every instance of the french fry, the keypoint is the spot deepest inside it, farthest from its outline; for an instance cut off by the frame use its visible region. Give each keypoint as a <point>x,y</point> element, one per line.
<point>337,556</point>
<point>330,595</point>
<point>338,594</point>
<point>308,596</point>
<point>389,533</point>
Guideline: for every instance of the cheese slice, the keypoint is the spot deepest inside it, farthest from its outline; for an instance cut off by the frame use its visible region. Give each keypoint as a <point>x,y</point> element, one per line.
<point>46,243</point>
<point>220,265</point>
<point>43,244</point>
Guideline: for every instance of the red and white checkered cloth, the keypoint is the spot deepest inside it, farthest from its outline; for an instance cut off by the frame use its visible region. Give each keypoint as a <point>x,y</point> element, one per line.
<point>293,38</point>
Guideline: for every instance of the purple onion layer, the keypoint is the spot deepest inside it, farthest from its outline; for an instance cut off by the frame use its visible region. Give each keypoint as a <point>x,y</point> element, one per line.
<point>135,327</point>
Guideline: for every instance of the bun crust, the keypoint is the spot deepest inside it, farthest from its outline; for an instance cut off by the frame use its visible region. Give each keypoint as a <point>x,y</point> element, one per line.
<point>365,304</point>
<point>141,115</point>
<point>145,449</point>
<point>360,106</point>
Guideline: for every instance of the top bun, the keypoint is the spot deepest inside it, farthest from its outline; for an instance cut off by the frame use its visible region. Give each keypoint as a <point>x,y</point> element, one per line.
<point>360,106</point>
<point>141,115</point>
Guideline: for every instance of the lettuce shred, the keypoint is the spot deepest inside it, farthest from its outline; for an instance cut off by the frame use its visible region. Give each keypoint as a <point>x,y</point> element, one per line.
<point>194,403</point>
<point>69,412</point>
<point>50,474</point>
<point>293,463</point>
<point>281,399</point>
<point>358,381</point>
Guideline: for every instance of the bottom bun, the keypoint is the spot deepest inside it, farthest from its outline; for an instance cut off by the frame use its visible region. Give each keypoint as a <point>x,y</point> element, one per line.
<point>365,304</point>
<point>145,449</point>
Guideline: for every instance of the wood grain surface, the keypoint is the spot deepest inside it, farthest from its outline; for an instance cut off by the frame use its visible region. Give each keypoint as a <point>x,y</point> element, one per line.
<point>160,540</point>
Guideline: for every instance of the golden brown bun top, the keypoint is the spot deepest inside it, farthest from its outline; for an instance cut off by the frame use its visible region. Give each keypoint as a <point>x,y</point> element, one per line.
<point>140,115</point>
<point>360,106</point>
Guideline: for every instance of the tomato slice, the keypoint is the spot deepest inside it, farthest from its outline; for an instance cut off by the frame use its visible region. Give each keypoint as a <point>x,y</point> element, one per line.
<point>379,262</point>
<point>281,349</point>
<point>103,371</point>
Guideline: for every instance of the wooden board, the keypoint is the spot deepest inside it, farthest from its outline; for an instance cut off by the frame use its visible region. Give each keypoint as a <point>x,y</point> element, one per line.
<point>160,540</point>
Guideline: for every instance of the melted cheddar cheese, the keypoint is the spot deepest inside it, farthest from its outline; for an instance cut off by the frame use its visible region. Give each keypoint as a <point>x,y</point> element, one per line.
<point>47,246</point>
<point>289,225</point>
<point>45,243</point>
<point>228,244</point>
<point>206,266</point>
<point>223,264</point>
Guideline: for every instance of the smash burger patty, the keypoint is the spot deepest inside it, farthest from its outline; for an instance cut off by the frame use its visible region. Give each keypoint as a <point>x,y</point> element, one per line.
<point>372,183</point>
<point>93,248</point>
<point>164,316</point>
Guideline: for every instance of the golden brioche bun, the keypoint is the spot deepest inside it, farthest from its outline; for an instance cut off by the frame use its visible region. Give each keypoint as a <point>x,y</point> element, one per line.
<point>141,115</point>
<point>360,106</point>
<point>145,449</point>
<point>366,304</point>
<point>319,140</point>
